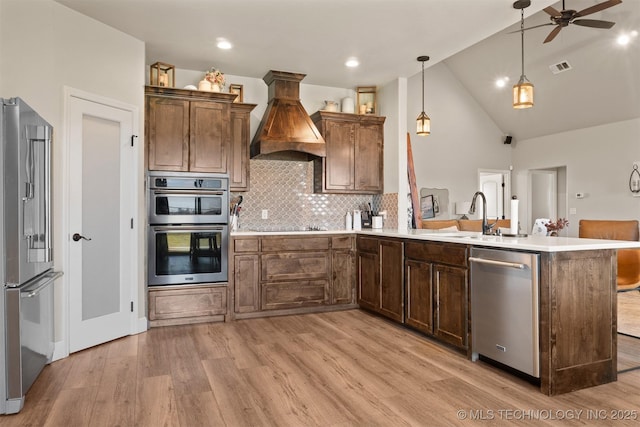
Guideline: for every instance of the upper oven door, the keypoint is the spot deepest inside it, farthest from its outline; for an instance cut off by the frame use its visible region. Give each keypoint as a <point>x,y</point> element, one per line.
<point>188,206</point>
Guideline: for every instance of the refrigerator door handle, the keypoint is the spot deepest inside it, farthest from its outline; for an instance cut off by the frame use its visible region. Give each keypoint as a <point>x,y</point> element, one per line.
<point>39,284</point>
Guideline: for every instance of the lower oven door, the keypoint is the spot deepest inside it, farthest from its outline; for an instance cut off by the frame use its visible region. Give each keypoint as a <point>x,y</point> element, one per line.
<point>186,254</point>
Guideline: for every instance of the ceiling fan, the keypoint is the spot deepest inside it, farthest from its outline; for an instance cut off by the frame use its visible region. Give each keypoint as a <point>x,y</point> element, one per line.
<point>565,17</point>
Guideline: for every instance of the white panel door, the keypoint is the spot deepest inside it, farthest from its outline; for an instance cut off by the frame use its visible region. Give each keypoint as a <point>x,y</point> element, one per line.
<point>543,195</point>
<point>491,184</point>
<point>101,256</point>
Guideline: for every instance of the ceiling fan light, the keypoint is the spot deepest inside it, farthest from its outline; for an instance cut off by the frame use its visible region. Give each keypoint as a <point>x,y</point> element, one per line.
<point>423,124</point>
<point>523,94</point>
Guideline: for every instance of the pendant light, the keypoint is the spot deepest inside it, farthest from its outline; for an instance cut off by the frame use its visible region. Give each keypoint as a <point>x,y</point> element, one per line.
<point>523,91</point>
<point>423,122</point>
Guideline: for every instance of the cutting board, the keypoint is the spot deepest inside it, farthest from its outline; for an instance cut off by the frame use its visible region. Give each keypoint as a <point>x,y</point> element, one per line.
<point>413,188</point>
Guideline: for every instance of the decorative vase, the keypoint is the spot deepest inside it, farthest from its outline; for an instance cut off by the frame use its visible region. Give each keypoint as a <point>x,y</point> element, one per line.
<point>215,87</point>
<point>204,85</point>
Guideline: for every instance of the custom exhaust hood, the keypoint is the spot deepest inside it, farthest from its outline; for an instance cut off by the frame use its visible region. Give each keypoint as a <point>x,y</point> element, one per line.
<point>286,130</point>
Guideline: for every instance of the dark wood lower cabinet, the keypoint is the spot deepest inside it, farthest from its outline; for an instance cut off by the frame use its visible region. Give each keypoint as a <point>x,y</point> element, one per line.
<point>342,276</point>
<point>301,293</point>
<point>452,305</point>
<point>419,291</point>
<point>369,280</point>
<point>437,287</point>
<point>391,277</point>
<point>380,276</point>
<point>247,278</point>
<point>578,320</point>
<point>185,304</point>
<point>284,274</point>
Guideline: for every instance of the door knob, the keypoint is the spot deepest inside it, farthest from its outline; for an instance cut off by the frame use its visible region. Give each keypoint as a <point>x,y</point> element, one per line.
<point>78,236</point>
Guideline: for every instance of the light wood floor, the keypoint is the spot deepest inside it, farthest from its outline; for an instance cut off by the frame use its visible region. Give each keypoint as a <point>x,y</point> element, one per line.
<point>629,313</point>
<point>332,369</point>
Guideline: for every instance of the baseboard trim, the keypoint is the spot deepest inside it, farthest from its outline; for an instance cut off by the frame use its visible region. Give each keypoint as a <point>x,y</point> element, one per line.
<point>59,350</point>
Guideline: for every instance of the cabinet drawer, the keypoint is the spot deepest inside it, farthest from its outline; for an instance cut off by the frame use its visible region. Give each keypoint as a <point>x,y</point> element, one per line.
<point>188,303</point>
<point>295,244</point>
<point>245,245</point>
<point>295,265</point>
<point>367,244</point>
<point>342,242</point>
<point>294,294</point>
<point>444,253</point>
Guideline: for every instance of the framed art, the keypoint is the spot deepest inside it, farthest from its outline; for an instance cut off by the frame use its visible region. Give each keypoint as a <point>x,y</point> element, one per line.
<point>427,207</point>
<point>237,89</point>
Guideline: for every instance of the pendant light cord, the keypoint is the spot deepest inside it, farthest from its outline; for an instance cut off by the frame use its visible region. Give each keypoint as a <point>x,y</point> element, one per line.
<point>423,86</point>
<point>522,40</point>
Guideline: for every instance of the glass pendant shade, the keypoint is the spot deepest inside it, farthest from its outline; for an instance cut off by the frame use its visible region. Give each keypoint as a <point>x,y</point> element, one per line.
<point>423,124</point>
<point>523,94</point>
<point>523,91</point>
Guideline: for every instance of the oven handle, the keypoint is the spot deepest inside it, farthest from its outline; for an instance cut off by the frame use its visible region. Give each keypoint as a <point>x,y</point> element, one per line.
<point>188,229</point>
<point>188,192</point>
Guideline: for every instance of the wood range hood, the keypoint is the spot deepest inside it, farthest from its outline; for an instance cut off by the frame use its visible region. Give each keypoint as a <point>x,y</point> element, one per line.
<point>286,130</point>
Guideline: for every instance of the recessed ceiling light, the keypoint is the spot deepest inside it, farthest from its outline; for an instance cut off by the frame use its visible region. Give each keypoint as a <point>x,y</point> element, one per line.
<point>502,81</point>
<point>352,62</point>
<point>224,44</point>
<point>625,39</point>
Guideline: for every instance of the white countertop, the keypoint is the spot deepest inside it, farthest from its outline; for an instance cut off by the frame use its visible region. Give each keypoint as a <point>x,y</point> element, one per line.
<point>530,243</point>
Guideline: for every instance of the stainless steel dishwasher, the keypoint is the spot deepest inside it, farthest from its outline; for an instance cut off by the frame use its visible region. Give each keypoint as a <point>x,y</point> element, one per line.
<point>504,308</point>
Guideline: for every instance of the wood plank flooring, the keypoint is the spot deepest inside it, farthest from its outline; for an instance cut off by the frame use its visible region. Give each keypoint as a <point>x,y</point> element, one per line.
<point>629,313</point>
<point>345,368</point>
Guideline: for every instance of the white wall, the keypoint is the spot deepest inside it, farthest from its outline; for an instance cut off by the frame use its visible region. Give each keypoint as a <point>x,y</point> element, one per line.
<point>45,46</point>
<point>463,137</point>
<point>598,163</point>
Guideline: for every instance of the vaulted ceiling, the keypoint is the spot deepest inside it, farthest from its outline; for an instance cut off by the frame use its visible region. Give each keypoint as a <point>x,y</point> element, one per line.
<point>316,37</point>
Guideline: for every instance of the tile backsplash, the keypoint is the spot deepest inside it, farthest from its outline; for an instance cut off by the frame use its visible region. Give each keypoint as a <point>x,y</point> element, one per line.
<point>285,190</point>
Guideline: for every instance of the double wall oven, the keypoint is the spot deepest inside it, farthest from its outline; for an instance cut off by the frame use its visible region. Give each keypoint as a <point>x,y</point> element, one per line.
<point>188,228</point>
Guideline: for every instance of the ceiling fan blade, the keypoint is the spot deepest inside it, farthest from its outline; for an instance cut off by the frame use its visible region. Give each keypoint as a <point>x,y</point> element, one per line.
<point>529,28</point>
<point>594,23</point>
<point>598,7</point>
<point>551,11</point>
<point>552,35</point>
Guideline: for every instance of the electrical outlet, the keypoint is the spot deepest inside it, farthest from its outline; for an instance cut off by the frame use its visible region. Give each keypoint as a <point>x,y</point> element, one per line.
<point>265,214</point>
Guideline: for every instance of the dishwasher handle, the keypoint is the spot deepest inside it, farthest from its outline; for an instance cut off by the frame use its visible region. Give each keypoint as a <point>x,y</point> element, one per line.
<point>515,265</point>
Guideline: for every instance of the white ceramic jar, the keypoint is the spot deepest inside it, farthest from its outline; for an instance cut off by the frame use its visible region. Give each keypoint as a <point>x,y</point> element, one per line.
<point>348,105</point>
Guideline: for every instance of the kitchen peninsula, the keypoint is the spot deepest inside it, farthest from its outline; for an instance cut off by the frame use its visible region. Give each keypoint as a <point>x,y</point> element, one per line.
<point>577,293</point>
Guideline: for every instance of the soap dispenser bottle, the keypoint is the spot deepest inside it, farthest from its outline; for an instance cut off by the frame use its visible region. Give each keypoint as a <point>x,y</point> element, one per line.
<point>348,223</point>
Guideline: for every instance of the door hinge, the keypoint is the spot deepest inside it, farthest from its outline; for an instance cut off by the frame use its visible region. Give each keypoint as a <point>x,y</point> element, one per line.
<point>132,223</point>
<point>132,306</point>
<point>132,139</point>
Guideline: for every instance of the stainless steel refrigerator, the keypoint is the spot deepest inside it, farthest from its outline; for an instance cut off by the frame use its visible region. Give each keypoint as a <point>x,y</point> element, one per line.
<point>26,268</point>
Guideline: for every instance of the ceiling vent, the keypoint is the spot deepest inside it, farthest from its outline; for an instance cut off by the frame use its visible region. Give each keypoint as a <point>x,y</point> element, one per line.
<point>560,67</point>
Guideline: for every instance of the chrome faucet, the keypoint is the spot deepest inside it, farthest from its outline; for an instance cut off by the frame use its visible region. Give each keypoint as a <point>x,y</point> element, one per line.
<point>486,228</point>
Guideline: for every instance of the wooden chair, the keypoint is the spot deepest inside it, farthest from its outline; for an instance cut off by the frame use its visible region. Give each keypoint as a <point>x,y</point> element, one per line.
<point>628,259</point>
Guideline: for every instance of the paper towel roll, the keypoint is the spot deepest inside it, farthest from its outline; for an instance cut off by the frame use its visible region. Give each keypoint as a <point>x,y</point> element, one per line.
<point>514,217</point>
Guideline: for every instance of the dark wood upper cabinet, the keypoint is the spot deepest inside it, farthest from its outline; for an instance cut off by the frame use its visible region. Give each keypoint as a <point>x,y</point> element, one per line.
<point>238,155</point>
<point>197,131</point>
<point>354,160</point>
<point>209,137</point>
<point>167,122</point>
